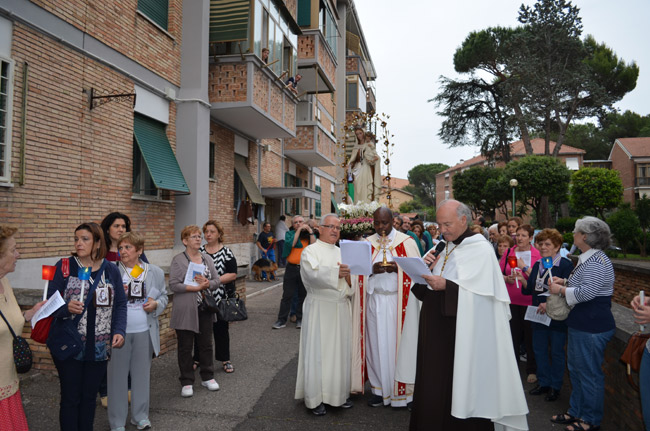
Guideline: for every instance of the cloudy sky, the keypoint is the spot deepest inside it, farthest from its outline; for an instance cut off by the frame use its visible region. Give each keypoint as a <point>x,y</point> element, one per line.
<point>413,44</point>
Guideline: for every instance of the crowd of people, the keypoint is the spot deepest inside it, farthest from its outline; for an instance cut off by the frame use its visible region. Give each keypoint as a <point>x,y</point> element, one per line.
<point>407,339</point>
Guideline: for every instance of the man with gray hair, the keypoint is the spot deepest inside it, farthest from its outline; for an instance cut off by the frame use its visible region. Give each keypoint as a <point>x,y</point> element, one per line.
<point>324,355</point>
<point>466,375</point>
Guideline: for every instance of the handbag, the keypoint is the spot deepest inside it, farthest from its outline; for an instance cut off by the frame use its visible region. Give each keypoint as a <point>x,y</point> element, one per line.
<point>22,352</point>
<point>208,303</point>
<point>231,309</point>
<point>557,307</point>
<point>633,354</point>
<point>64,340</point>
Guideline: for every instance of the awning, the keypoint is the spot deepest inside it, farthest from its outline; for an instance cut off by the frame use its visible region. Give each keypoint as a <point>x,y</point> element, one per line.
<point>247,179</point>
<point>335,205</point>
<point>229,20</point>
<point>158,155</point>
<point>289,193</point>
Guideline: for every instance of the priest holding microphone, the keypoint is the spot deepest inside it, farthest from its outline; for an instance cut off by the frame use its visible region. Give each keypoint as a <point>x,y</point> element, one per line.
<point>466,376</point>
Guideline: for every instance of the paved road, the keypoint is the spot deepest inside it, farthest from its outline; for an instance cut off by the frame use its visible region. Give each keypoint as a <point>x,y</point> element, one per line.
<point>258,396</point>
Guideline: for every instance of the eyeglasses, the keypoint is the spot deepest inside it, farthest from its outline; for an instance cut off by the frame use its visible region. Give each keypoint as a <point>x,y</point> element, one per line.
<point>331,226</point>
<point>196,236</point>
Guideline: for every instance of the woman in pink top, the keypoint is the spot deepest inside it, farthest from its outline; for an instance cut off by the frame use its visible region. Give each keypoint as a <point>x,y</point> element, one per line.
<point>521,331</point>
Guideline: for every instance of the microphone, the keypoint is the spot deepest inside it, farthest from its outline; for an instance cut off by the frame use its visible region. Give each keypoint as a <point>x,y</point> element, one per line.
<point>439,248</point>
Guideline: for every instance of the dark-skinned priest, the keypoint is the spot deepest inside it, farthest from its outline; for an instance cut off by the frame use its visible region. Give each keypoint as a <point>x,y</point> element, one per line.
<point>324,354</point>
<point>466,377</point>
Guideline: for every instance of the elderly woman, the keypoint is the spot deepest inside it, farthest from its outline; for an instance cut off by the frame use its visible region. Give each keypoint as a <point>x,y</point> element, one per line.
<point>591,325</point>
<point>520,328</point>
<point>226,265</point>
<point>98,312</point>
<point>12,415</point>
<point>547,340</point>
<point>188,316</point>
<point>147,299</point>
<point>589,290</point>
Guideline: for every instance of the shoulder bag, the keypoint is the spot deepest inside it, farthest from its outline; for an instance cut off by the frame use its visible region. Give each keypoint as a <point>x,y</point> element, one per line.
<point>633,354</point>
<point>64,340</point>
<point>22,352</point>
<point>231,309</point>
<point>556,307</point>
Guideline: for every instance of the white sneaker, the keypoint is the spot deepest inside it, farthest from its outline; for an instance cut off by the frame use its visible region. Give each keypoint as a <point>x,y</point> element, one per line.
<point>211,384</point>
<point>187,391</point>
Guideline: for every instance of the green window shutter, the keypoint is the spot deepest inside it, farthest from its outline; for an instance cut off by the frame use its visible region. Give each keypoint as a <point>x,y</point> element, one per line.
<point>318,209</point>
<point>158,155</point>
<point>304,13</point>
<point>157,10</point>
<point>229,20</point>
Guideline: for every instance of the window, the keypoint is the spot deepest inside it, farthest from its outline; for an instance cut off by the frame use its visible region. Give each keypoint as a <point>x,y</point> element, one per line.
<point>6,70</point>
<point>292,206</point>
<point>572,163</point>
<point>352,95</point>
<point>213,150</point>
<point>142,182</point>
<point>317,204</point>
<point>328,28</point>
<point>156,10</point>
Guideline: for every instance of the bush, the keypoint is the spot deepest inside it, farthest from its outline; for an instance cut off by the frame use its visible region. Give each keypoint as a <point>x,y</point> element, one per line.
<point>626,227</point>
<point>566,225</point>
<point>568,238</point>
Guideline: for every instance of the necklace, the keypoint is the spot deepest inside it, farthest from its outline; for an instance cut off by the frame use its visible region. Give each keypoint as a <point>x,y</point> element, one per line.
<point>447,254</point>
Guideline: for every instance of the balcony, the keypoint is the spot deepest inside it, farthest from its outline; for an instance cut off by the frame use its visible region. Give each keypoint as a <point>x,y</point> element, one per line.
<point>316,63</point>
<point>642,182</point>
<point>354,65</point>
<point>248,97</point>
<point>313,146</point>
<point>371,100</point>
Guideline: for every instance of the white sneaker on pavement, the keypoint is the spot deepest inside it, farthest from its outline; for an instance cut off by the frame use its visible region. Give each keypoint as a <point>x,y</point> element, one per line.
<point>211,384</point>
<point>187,391</point>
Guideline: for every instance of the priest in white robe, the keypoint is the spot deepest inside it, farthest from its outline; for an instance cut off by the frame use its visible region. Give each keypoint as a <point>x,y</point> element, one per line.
<point>467,376</point>
<point>324,356</point>
<point>380,309</point>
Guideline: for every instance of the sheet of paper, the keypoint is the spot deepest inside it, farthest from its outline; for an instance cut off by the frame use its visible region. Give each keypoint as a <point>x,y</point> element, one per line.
<point>414,267</point>
<point>193,269</point>
<point>54,303</point>
<point>357,255</point>
<point>534,316</point>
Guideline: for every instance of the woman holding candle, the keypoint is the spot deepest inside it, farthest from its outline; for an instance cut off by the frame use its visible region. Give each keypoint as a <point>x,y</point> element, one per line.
<point>188,318</point>
<point>525,255</point>
<point>589,290</point>
<point>98,306</point>
<point>12,415</point>
<point>144,285</point>
<point>547,340</point>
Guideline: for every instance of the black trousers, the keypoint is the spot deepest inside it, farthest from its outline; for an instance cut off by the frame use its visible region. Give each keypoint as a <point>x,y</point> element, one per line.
<point>204,344</point>
<point>292,281</point>
<point>522,332</point>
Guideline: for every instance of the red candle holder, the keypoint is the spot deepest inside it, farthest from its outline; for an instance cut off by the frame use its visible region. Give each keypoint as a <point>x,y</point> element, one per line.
<point>48,272</point>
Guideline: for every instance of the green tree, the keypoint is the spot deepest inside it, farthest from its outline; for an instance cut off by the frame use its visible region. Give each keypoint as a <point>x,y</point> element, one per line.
<point>589,138</point>
<point>642,210</point>
<point>595,190</point>
<point>423,179</point>
<point>625,227</point>
<point>483,188</point>
<point>626,125</point>
<point>539,176</point>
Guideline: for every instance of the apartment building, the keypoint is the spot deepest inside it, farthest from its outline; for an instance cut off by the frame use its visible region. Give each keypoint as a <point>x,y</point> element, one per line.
<point>165,110</point>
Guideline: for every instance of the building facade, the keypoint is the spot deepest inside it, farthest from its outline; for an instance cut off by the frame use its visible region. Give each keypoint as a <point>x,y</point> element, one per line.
<point>166,111</point>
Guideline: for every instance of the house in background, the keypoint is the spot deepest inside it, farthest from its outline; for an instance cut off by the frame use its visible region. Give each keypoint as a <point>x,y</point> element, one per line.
<point>631,158</point>
<point>569,156</point>
<point>397,194</point>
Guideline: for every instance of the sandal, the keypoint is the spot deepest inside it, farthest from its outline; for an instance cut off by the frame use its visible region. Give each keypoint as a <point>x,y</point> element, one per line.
<point>580,426</point>
<point>228,368</point>
<point>564,418</point>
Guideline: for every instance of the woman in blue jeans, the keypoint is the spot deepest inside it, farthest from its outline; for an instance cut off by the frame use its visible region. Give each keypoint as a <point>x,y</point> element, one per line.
<point>548,341</point>
<point>642,316</point>
<point>589,291</point>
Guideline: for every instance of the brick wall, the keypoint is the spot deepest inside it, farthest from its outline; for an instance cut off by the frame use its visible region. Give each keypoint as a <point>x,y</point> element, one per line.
<point>118,25</point>
<point>272,164</point>
<point>307,46</point>
<point>622,163</point>
<point>629,281</point>
<point>73,155</point>
<point>228,82</point>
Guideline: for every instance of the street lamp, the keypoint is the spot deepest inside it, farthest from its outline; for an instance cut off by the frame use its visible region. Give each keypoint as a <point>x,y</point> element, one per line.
<point>513,183</point>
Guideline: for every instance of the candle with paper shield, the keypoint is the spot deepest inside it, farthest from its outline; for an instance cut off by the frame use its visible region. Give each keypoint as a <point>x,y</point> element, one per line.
<point>512,262</point>
<point>547,262</point>
<point>136,271</point>
<point>83,275</point>
<point>48,275</point>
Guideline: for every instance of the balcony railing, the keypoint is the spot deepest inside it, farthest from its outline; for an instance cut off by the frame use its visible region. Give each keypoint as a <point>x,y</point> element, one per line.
<point>642,181</point>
